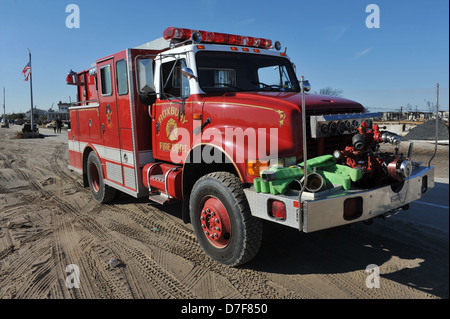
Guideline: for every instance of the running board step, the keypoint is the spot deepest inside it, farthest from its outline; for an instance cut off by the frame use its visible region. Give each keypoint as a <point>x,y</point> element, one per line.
<point>163,180</point>
<point>159,198</point>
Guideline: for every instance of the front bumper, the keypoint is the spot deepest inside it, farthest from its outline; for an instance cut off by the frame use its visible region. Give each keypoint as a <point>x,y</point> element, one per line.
<point>326,209</point>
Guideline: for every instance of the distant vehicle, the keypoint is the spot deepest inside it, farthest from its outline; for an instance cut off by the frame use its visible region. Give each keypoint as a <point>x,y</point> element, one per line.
<point>52,124</point>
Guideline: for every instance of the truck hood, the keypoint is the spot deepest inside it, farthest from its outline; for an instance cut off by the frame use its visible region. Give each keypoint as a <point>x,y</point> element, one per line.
<point>314,103</point>
<point>273,117</point>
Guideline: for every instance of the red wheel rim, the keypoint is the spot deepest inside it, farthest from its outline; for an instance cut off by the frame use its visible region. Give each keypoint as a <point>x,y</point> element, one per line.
<point>215,222</point>
<point>95,177</point>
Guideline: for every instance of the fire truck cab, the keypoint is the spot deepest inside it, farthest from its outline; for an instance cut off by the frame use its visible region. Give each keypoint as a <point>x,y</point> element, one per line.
<point>212,119</point>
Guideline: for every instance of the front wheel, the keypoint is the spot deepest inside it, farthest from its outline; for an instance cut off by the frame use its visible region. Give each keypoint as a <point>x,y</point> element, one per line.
<point>222,221</point>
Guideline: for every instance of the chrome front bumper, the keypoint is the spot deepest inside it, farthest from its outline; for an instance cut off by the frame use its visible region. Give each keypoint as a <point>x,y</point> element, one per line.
<point>326,209</point>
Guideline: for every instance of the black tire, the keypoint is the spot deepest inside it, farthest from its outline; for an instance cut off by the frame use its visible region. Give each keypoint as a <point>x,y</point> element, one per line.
<point>239,240</point>
<point>101,192</point>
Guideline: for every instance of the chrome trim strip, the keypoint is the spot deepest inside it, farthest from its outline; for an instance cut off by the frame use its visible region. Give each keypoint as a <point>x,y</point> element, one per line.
<point>165,180</point>
<point>133,127</point>
<point>148,176</point>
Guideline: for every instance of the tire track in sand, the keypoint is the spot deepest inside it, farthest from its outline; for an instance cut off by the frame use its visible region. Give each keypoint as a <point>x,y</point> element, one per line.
<point>175,238</point>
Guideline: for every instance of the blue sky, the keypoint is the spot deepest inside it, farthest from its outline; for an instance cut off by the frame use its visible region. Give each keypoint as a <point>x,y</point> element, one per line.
<point>384,68</point>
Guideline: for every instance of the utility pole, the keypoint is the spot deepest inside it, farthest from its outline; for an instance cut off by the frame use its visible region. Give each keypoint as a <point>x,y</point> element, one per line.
<point>437,125</point>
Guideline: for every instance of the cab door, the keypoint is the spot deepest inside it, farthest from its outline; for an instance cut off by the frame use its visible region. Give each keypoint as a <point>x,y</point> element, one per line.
<point>172,122</point>
<point>110,151</point>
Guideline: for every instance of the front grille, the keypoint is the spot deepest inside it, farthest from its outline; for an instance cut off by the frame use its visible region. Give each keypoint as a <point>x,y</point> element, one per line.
<point>324,146</point>
<point>330,144</point>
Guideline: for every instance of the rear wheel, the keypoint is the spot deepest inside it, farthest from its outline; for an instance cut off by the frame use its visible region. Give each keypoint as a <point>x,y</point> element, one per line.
<point>101,192</point>
<point>222,221</point>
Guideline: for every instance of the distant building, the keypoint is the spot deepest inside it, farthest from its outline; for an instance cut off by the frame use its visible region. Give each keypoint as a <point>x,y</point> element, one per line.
<point>50,114</point>
<point>38,113</point>
<point>412,116</point>
<point>64,108</point>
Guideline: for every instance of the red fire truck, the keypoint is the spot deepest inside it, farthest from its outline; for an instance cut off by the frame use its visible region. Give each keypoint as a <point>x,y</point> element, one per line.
<point>222,123</point>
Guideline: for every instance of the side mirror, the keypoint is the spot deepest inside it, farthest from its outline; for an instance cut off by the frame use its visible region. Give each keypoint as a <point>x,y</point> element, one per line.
<point>188,73</point>
<point>306,86</point>
<point>147,98</point>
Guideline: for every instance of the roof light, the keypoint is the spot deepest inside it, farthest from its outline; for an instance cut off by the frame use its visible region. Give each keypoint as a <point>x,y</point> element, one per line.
<point>181,34</point>
<point>71,78</point>
<point>248,41</point>
<point>177,33</point>
<point>235,39</point>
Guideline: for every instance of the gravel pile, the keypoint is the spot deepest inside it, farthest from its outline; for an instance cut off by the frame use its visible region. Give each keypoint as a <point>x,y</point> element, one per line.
<point>427,131</point>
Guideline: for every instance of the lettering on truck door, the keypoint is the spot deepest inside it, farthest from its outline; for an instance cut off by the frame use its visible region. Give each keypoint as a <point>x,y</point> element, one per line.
<point>173,120</point>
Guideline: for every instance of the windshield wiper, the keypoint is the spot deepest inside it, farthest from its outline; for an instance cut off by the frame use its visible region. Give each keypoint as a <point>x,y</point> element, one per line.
<point>230,86</point>
<point>267,86</point>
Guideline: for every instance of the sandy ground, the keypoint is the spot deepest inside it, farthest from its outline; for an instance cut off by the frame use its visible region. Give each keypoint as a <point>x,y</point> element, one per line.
<point>48,221</point>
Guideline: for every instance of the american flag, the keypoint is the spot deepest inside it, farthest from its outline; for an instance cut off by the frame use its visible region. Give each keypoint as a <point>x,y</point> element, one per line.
<point>27,71</point>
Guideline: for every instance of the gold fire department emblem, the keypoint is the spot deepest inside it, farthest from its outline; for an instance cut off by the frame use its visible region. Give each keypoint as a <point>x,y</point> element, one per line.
<point>171,130</point>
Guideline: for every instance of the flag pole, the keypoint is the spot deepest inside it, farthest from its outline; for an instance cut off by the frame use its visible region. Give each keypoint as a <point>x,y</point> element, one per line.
<point>4,107</point>
<point>31,93</point>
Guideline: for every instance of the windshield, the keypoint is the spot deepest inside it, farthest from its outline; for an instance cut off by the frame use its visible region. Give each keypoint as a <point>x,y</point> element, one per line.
<point>235,72</point>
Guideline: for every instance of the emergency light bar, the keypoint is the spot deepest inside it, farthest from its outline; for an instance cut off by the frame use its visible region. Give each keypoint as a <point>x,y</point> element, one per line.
<point>182,34</point>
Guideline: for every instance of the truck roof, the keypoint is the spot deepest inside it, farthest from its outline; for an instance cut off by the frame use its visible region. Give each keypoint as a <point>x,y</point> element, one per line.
<point>158,44</point>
